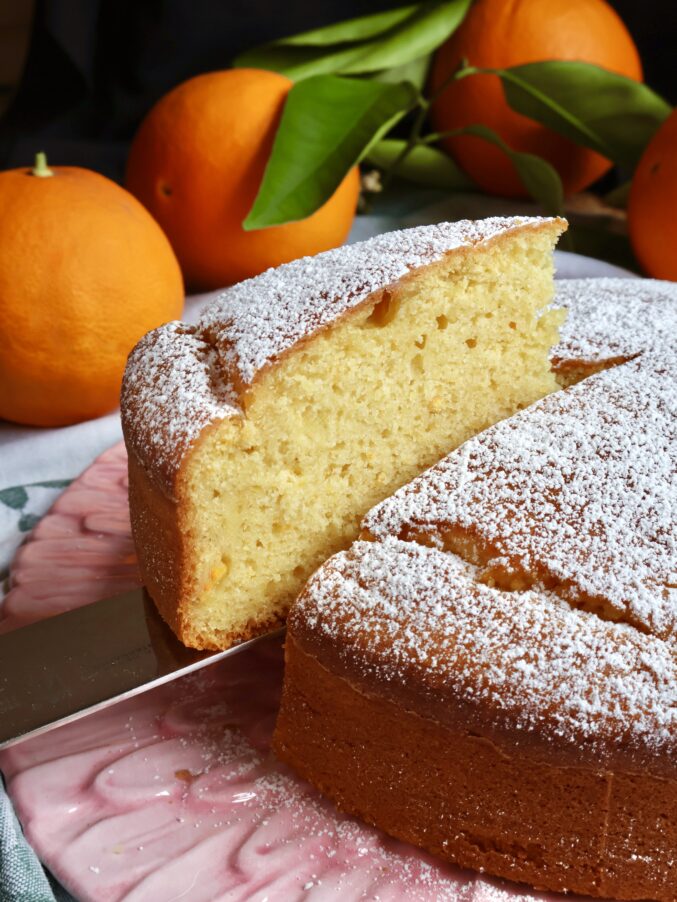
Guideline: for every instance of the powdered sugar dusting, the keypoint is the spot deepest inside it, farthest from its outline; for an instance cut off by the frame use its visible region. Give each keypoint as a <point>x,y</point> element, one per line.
<point>525,658</point>
<point>172,389</point>
<point>253,323</point>
<point>522,659</point>
<point>614,317</point>
<point>580,490</point>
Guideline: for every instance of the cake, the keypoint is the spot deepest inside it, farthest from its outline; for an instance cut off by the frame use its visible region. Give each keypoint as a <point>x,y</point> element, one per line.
<point>490,672</point>
<point>610,321</point>
<point>259,437</point>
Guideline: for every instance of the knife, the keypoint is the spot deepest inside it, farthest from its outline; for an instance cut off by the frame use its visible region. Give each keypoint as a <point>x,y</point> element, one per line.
<point>62,668</point>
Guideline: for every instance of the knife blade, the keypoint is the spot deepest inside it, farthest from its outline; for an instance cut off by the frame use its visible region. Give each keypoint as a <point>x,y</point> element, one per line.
<point>62,668</point>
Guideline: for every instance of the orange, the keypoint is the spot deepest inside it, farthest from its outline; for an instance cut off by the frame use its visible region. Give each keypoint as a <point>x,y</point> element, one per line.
<point>85,271</point>
<point>501,33</point>
<point>197,162</point>
<point>652,219</point>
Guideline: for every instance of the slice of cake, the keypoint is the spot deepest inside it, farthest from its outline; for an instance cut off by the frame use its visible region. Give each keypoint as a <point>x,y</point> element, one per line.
<point>493,677</point>
<point>258,438</point>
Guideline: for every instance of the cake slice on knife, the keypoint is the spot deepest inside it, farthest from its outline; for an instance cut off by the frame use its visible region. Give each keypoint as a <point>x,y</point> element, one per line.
<point>258,438</point>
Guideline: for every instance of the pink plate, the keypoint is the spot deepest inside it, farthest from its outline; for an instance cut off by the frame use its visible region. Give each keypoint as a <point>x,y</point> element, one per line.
<point>175,795</point>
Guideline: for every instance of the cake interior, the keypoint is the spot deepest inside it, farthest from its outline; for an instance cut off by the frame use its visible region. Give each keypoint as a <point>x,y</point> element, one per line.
<point>351,416</point>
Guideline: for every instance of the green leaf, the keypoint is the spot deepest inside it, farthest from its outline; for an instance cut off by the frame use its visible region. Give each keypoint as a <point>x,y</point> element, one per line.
<point>609,113</point>
<point>15,497</point>
<point>360,29</point>
<point>426,28</point>
<point>408,38</point>
<point>422,165</point>
<point>537,175</point>
<point>415,72</point>
<point>298,63</point>
<point>328,124</point>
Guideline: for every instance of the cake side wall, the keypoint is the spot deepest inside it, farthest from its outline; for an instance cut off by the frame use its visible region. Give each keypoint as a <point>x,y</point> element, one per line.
<point>158,538</point>
<point>464,798</point>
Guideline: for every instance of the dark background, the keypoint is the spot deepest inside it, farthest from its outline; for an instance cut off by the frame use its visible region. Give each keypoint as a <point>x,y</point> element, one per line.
<point>94,67</point>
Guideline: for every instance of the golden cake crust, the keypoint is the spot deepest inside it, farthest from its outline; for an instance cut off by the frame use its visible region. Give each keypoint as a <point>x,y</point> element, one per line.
<point>472,801</point>
<point>524,669</point>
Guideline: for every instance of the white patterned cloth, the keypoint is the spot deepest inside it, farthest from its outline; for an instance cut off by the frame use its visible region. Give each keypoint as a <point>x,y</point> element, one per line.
<point>22,879</point>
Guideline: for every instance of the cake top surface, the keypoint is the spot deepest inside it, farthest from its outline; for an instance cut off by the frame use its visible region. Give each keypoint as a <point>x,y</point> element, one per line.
<point>421,622</point>
<point>578,493</point>
<point>614,318</point>
<point>172,389</point>
<point>181,378</point>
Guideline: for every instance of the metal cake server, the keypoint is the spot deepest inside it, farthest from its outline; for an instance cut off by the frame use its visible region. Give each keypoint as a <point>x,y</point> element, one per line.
<point>57,670</point>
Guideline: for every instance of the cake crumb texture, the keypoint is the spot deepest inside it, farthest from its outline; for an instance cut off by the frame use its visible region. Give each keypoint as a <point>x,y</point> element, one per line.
<point>578,493</point>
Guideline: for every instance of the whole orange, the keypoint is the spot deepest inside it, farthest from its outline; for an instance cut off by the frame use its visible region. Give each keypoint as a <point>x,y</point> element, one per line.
<point>197,162</point>
<point>501,33</point>
<point>85,271</point>
<point>652,217</point>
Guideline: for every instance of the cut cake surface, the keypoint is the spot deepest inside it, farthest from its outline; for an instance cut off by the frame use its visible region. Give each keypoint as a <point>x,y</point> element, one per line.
<point>181,378</point>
